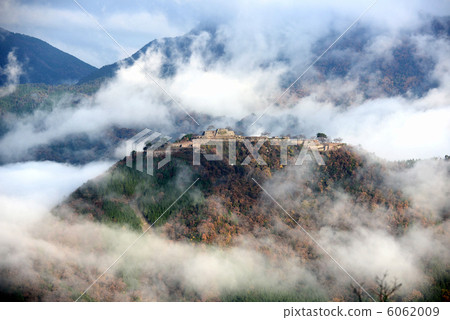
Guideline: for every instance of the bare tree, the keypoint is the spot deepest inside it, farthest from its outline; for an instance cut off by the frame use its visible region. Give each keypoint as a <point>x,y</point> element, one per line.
<point>385,290</point>
<point>358,291</point>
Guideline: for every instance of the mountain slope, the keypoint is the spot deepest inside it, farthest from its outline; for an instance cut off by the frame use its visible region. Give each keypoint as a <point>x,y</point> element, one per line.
<point>402,69</point>
<point>226,208</point>
<point>172,49</point>
<point>233,187</point>
<point>41,62</point>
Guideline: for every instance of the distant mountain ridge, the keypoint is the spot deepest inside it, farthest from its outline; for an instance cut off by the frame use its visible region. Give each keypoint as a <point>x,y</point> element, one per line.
<point>179,47</point>
<point>407,71</point>
<point>41,62</point>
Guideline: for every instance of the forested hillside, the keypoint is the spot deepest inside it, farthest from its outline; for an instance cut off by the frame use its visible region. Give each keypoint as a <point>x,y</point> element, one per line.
<point>28,98</point>
<point>226,206</point>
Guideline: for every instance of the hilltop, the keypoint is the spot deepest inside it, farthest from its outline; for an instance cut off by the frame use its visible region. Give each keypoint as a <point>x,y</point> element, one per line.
<point>226,206</point>
<point>134,194</point>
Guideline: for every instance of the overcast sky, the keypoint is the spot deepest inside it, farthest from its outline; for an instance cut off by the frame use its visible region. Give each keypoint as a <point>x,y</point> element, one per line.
<point>64,25</point>
<point>134,23</point>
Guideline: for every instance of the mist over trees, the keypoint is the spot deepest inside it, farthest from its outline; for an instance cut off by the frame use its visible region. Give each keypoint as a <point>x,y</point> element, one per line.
<point>70,206</point>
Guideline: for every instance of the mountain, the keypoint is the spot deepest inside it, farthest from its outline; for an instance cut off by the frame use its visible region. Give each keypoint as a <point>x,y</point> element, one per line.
<point>226,207</point>
<point>41,62</point>
<point>124,194</point>
<point>172,49</point>
<point>401,70</point>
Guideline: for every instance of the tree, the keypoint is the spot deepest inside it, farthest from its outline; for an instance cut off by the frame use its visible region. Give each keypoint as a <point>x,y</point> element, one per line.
<point>322,137</point>
<point>187,137</point>
<point>384,289</point>
<point>358,291</point>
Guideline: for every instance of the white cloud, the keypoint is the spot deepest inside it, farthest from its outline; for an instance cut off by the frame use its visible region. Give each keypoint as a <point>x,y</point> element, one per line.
<point>34,242</point>
<point>12,71</point>
<point>260,47</point>
<point>36,187</point>
<point>135,23</point>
